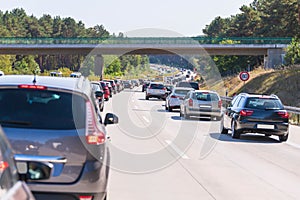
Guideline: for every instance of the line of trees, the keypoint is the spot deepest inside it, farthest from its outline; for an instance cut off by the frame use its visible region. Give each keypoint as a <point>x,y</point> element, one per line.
<point>17,23</point>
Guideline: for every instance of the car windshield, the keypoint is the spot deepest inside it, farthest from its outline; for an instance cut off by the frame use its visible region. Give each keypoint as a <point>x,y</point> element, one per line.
<point>41,109</point>
<point>264,103</point>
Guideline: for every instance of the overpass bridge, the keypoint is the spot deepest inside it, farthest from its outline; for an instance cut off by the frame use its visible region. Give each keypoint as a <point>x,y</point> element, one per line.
<point>271,48</point>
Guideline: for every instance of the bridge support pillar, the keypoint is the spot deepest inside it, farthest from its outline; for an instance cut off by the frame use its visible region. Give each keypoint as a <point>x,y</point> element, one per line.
<point>274,58</point>
<point>99,65</point>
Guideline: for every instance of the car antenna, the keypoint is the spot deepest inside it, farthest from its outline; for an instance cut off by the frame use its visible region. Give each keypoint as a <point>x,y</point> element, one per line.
<point>34,77</point>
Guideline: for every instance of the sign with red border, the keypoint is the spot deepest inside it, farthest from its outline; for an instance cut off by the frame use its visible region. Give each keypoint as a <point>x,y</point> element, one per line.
<point>244,76</point>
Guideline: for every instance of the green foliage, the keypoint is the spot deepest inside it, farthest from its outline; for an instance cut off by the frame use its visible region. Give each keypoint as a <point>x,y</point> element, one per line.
<point>18,24</point>
<point>293,53</point>
<point>26,65</point>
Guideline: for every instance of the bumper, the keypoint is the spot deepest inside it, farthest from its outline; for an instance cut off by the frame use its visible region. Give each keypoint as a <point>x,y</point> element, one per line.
<point>203,113</point>
<point>252,127</point>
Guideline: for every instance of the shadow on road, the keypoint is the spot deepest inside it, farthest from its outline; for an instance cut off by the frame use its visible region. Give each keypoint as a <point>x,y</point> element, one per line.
<point>248,138</point>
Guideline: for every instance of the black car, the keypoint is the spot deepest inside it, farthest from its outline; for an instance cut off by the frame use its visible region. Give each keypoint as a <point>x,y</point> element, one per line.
<point>252,113</point>
<point>145,85</point>
<point>194,85</point>
<point>99,94</point>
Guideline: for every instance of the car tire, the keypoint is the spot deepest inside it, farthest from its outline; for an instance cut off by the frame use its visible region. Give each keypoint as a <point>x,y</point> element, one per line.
<point>170,109</point>
<point>234,132</point>
<point>147,98</point>
<point>224,130</point>
<point>186,116</point>
<point>180,114</point>
<point>283,138</point>
<point>106,99</point>
<point>102,108</point>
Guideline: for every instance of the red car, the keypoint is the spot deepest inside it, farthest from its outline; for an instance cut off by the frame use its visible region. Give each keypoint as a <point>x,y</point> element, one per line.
<point>106,90</point>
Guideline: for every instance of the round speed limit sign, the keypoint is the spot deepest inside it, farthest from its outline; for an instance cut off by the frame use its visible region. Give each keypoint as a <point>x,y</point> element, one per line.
<point>244,76</point>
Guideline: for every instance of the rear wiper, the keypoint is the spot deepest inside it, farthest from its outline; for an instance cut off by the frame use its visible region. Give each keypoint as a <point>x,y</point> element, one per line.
<point>271,108</point>
<point>24,123</point>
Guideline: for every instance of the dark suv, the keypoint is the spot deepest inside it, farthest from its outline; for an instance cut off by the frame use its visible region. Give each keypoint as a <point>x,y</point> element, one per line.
<point>56,119</point>
<point>251,113</point>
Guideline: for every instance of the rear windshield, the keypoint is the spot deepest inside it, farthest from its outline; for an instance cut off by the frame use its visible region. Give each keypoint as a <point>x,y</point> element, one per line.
<point>183,92</point>
<point>41,109</point>
<point>157,86</point>
<point>263,103</point>
<point>189,84</point>
<point>205,96</point>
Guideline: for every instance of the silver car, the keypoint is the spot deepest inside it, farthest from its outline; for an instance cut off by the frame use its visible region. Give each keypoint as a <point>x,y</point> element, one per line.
<point>56,119</point>
<point>175,98</point>
<point>202,103</point>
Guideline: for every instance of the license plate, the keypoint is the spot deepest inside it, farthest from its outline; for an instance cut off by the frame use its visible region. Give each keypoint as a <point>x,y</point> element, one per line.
<point>265,126</point>
<point>204,106</point>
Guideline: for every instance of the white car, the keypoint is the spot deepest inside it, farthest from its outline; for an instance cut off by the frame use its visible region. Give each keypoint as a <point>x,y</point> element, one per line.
<point>176,97</point>
<point>156,90</point>
<point>202,103</point>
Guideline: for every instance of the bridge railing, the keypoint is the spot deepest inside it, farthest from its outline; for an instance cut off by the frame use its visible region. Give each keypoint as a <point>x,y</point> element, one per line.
<point>145,40</point>
<point>294,112</point>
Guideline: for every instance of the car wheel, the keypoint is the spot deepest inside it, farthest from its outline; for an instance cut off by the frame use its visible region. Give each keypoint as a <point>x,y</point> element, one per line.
<point>106,99</point>
<point>166,107</point>
<point>224,130</point>
<point>180,113</point>
<point>283,138</point>
<point>234,132</point>
<point>186,116</point>
<point>170,109</point>
<point>147,98</point>
<point>102,108</point>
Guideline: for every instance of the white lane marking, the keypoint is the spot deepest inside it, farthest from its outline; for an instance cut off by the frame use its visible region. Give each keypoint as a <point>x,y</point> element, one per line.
<point>145,118</point>
<point>178,151</point>
<point>294,144</point>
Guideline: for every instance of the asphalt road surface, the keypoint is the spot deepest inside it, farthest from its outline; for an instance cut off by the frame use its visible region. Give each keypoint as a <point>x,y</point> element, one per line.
<point>157,155</point>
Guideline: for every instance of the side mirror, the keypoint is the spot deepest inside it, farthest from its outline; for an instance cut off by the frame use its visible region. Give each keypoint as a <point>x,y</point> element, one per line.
<point>111,119</point>
<point>32,170</point>
<point>99,94</point>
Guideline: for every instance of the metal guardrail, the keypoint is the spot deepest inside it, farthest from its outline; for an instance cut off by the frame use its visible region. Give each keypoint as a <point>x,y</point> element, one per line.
<point>145,40</point>
<point>293,111</point>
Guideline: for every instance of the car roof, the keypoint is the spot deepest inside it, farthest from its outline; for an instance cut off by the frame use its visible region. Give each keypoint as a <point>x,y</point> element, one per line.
<point>183,88</point>
<point>260,95</point>
<point>210,91</point>
<point>65,83</point>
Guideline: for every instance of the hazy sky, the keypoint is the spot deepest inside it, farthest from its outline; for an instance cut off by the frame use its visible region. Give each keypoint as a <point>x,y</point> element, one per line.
<point>185,17</point>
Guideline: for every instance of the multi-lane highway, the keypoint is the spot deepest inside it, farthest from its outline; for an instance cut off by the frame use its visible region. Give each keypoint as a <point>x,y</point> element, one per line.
<point>157,155</point>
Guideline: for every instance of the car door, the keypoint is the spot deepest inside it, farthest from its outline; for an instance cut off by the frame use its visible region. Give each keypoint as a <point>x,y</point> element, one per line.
<point>230,110</point>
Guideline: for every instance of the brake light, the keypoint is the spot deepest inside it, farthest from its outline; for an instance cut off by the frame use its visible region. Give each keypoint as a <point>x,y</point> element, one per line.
<point>3,166</point>
<point>283,114</point>
<point>36,87</point>
<point>220,104</point>
<point>246,113</point>
<point>191,102</point>
<point>174,97</point>
<point>93,134</point>
<point>85,197</point>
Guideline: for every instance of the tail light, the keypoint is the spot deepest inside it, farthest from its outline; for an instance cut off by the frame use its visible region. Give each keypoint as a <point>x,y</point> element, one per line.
<point>191,102</point>
<point>86,197</point>
<point>36,87</point>
<point>220,104</point>
<point>174,97</point>
<point>246,113</point>
<point>283,114</point>
<point>3,166</point>
<point>93,134</point>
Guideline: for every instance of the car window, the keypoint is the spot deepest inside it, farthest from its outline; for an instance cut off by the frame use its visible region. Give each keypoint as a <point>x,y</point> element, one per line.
<point>41,109</point>
<point>157,86</point>
<point>96,87</point>
<point>182,92</point>
<point>241,101</point>
<point>263,103</point>
<point>235,101</point>
<point>205,96</point>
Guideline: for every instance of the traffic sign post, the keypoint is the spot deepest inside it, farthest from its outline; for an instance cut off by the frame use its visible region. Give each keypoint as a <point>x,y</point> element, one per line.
<point>244,76</point>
